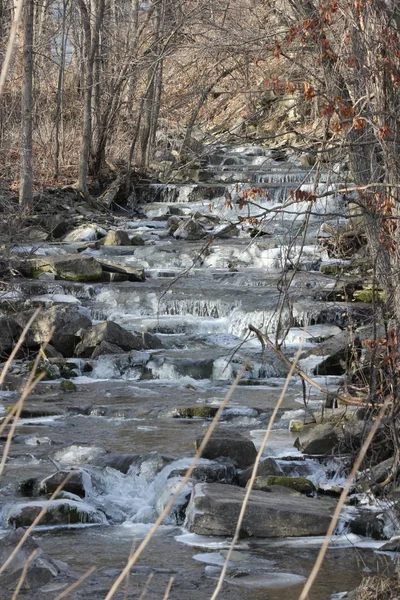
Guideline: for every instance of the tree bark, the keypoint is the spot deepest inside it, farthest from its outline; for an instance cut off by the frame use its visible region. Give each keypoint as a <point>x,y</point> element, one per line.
<point>26,185</point>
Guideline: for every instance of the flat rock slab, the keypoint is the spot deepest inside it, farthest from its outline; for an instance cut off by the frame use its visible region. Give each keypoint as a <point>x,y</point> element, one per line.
<point>214,510</point>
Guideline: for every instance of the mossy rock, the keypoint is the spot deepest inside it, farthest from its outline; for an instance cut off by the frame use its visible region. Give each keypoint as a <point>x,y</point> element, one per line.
<point>68,386</point>
<point>196,412</point>
<point>369,295</point>
<point>51,371</point>
<point>296,426</point>
<point>332,269</point>
<point>298,484</point>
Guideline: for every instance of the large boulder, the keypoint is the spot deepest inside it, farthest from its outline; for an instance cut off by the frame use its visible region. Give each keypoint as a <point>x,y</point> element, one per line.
<point>65,320</point>
<point>229,444</point>
<point>40,571</point>
<point>317,439</point>
<point>114,334</point>
<point>71,267</point>
<point>117,237</point>
<point>10,330</point>
<point>214,510</point>
<point>209,472</point>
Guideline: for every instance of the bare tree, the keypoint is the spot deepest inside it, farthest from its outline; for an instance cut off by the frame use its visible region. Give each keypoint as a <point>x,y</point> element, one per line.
<point>26,186</point>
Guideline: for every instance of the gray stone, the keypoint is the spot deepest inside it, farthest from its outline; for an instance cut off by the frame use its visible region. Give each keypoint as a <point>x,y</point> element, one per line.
<point>214,509</point>
<point>267,467</point>
<point>72,267</point>
<point>189,230</point>
<point>106,348</point>
<point>136,240</point>
<point>317,439</point>
<point>117,237</point>
<point>230,444</point>
<point>114,334</point>
<point>74,485</point>
<point>131,273</point>
<point>119,462</point>
<point>144,465</point>
<point>10,330</point>
<point>40,571</point>
<point>66,320</point>
<point>209,472</point>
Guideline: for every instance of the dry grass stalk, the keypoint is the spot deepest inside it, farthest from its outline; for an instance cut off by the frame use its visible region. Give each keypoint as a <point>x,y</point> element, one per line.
<point>76,584</point>
<point>342,498</point>
<point>379,588</point>
<point>146,586</point>
<point>253,476</point>
<point>168,589</point>
<point>133,559</point>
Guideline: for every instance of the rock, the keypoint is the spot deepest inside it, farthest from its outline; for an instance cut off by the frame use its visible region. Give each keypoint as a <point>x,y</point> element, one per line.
<point>58,512</point>
<point>393,545</point>
<point>40,571</point>
<point>298,484</point>
<point>74,485</point>
<point>71,267</point>
<point>117,237</point>
<point>66,320</point>
<point>78,455</point>
<point>337,353</point>
<point>177,512</point>
<point>267,467</point>
<point>131,273</point>
<point>214,509</point>
<point>119,462</point>
<point>173,224</point>
<point>106,348</point>
<point>143,465</point>
<point>10,330</point>
<point>209,472</point>
<point>229,444</point>
<point>368,524</point>
<point>85,233</point>
<point>136,240</point>
<point>296,426</point>
<point>36,234</point>
<point>317,439</point>
<point>68,386</point>
<point>114,334</point>
<point>189,230</point>
<point>227,232</point>
<point>195,412</point>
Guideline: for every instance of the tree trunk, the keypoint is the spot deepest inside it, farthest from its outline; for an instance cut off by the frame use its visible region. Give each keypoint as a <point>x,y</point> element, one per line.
<point>25,191</point>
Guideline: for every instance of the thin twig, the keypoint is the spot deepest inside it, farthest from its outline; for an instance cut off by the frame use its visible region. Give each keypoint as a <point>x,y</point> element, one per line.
<point>10,45</point>
<point>168,589</point>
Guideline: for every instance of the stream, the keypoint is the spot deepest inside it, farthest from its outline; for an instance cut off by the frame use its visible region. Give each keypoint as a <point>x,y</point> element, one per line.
<point>199,298</point>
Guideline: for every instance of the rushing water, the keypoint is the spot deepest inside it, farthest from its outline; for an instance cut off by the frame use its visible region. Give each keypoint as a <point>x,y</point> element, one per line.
<point>199,298</point>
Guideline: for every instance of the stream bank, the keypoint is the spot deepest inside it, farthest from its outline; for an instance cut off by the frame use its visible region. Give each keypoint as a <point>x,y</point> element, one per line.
<point>151,309</point>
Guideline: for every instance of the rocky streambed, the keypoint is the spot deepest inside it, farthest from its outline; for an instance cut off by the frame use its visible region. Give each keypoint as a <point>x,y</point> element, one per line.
<point>146,313</point>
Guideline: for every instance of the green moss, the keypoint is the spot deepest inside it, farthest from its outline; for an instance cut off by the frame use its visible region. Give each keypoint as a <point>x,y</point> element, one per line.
<point>369,295</point>
<point>51,371</point>
<point>197,412</point>
<point>68,386</point>
<point>299,484</point>
<point>333,269</point>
